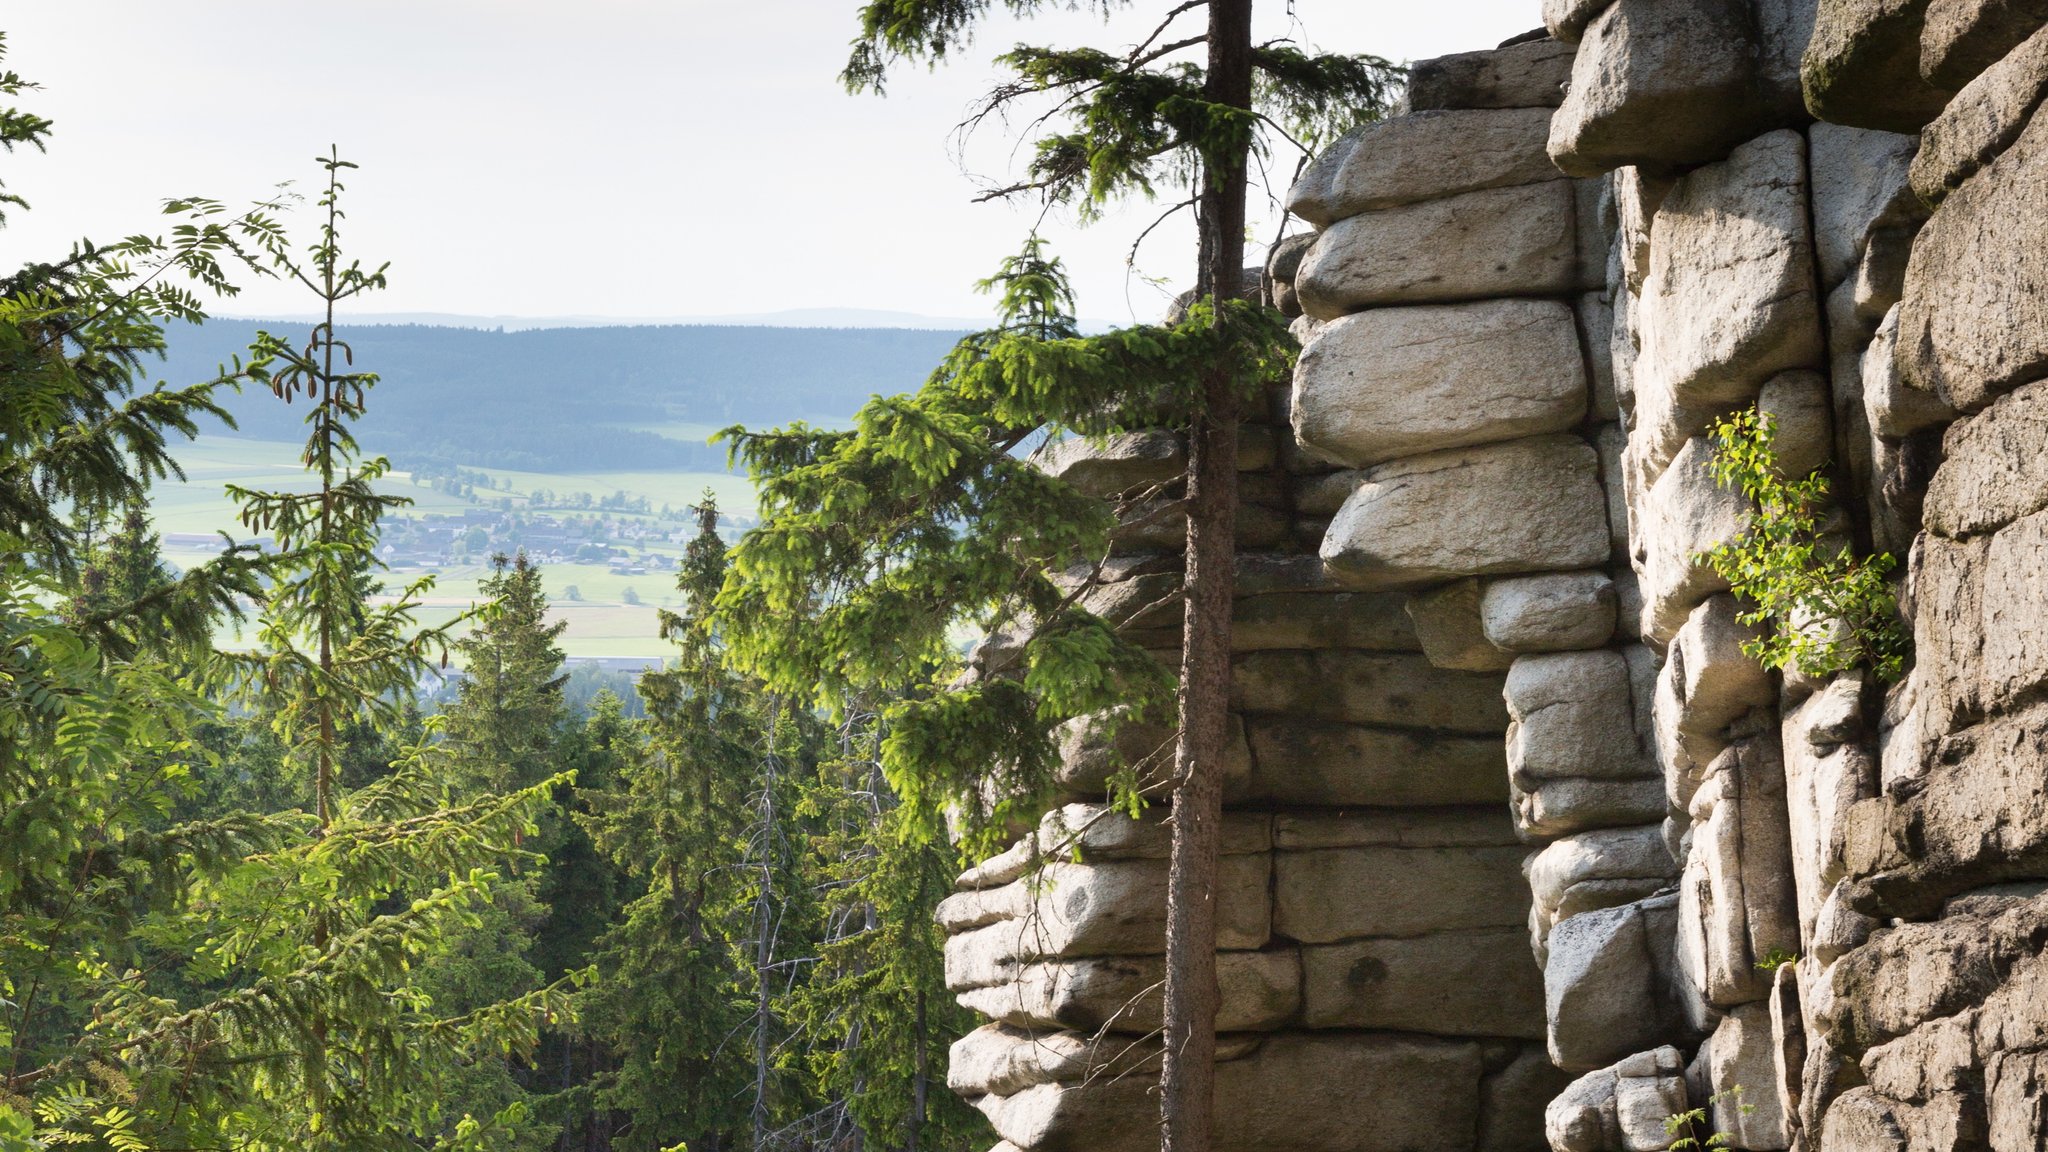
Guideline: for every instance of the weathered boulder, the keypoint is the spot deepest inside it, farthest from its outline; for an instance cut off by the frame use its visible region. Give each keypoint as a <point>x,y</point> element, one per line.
<point>2016,612</point>
<point>1259,991</point>
<point>1859,186</point>
<point>1556,612</point>
<point>1914,973</point>
<point>1422,156</point>
<point>1531,74</point>
<point>1947,578</point>
<point>1393,689</point>
<point>1880,278</point>
<point>1974,319</point>
<point>1827,771</point>
<point>1093,748</point>
<point>1742,1072</point>
<point>1991,473</point>
<point>1862,66</point>
<point>1525,506</point>
<point>1114,464</point>
<point>1802,411</point>
<point>1479,983</point>
<point>1562,806</point>
<point>1621,1108</point>
<point>1574,715</point>
<point>1323,896</point>
<point>1116,908</point>
<point>1512,241</point>
<point>1282,264</point>
<point>1783,28</point>
<point>1004,1060</point>
<point>1594,870</point>
<point>1637,195</point>
<point>1447,622</point>
<point>1683,753</point>
<point>1301,761</point>
<point>1566,20</point>
<point>1737,902</point>
<point>1962,38</point>
<point>1729,300</point>
<point>1934,1058</point>
<point>1401,381</point>
<point>1718,683</point>
<point>2015,1083</point>
<point>1686,515</point>
<point>1983,817</point>
<point>1981,122</point>
<point>1660,83</point>
<point>1595,317</point>
<point>1892,409</point>
<point>1862,1119</point>
<point>1606,985</point>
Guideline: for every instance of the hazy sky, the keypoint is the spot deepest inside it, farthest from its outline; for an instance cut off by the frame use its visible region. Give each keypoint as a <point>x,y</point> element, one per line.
<point>593,157</point>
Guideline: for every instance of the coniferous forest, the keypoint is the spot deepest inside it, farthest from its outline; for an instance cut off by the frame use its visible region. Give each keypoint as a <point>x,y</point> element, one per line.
<point>253,896</point>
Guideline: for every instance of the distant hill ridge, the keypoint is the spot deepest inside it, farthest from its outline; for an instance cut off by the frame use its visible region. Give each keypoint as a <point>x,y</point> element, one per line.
<point>578,399</point>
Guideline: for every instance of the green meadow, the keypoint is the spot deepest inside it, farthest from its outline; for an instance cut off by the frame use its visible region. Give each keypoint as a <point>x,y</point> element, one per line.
<point>601,621</point>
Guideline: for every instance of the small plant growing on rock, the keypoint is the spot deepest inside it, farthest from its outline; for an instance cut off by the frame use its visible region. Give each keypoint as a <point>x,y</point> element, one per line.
<point>1829,610</point>
<point>1684,1127</point>
<point>1775,959</point>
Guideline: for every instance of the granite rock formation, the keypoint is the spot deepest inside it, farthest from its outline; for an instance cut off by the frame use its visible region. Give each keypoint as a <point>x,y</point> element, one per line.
<point>1522,849</point>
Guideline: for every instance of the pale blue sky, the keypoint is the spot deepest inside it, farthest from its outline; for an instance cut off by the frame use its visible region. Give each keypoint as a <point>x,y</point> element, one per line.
<point>599,157</point>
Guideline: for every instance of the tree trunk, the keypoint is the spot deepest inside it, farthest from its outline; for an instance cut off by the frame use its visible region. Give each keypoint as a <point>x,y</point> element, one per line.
<point>1188,1077</point>
<point>920,1085</point>
<point>764,951</point>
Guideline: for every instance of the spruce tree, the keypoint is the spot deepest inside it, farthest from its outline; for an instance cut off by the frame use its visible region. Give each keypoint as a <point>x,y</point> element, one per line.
<point>875,1007</point>
<point>876,543</point>
<point>507,718</point>
<point>393,872</point>
<point>672,1005</point>
<point>237,978</point>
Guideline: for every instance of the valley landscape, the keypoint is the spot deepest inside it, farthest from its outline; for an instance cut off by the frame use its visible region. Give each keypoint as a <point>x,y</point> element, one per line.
<point>586,448</point>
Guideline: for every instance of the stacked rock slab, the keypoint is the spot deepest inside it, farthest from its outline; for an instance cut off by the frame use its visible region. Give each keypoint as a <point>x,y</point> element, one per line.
<point>1812,911</point>
<point>1377,987</point>
<point>1857,935</point>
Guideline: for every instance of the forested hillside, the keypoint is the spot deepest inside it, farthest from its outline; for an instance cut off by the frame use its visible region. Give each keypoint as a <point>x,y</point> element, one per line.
<point>252,898</point>
<point>570,399</point>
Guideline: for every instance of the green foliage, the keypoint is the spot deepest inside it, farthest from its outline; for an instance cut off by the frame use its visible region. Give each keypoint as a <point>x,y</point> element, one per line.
<point>1684,1127</point>
<point>1825,609</point>
<point>878,545</point>
<point>177,970</point>
<point>503,728</point>
<point>1121,123</point>
<point>1775,959</point>
<point>876,1008</point>
<point>680,985</point>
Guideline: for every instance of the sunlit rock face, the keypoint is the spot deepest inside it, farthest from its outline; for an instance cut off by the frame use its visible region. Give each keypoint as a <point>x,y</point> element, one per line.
<point>1524,847</point>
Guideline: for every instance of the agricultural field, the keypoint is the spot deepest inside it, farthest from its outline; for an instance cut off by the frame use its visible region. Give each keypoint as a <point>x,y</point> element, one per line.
<point>610,613</point>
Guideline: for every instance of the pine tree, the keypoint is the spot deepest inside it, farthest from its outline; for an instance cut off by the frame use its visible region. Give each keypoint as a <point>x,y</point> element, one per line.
<point>876,543</point>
